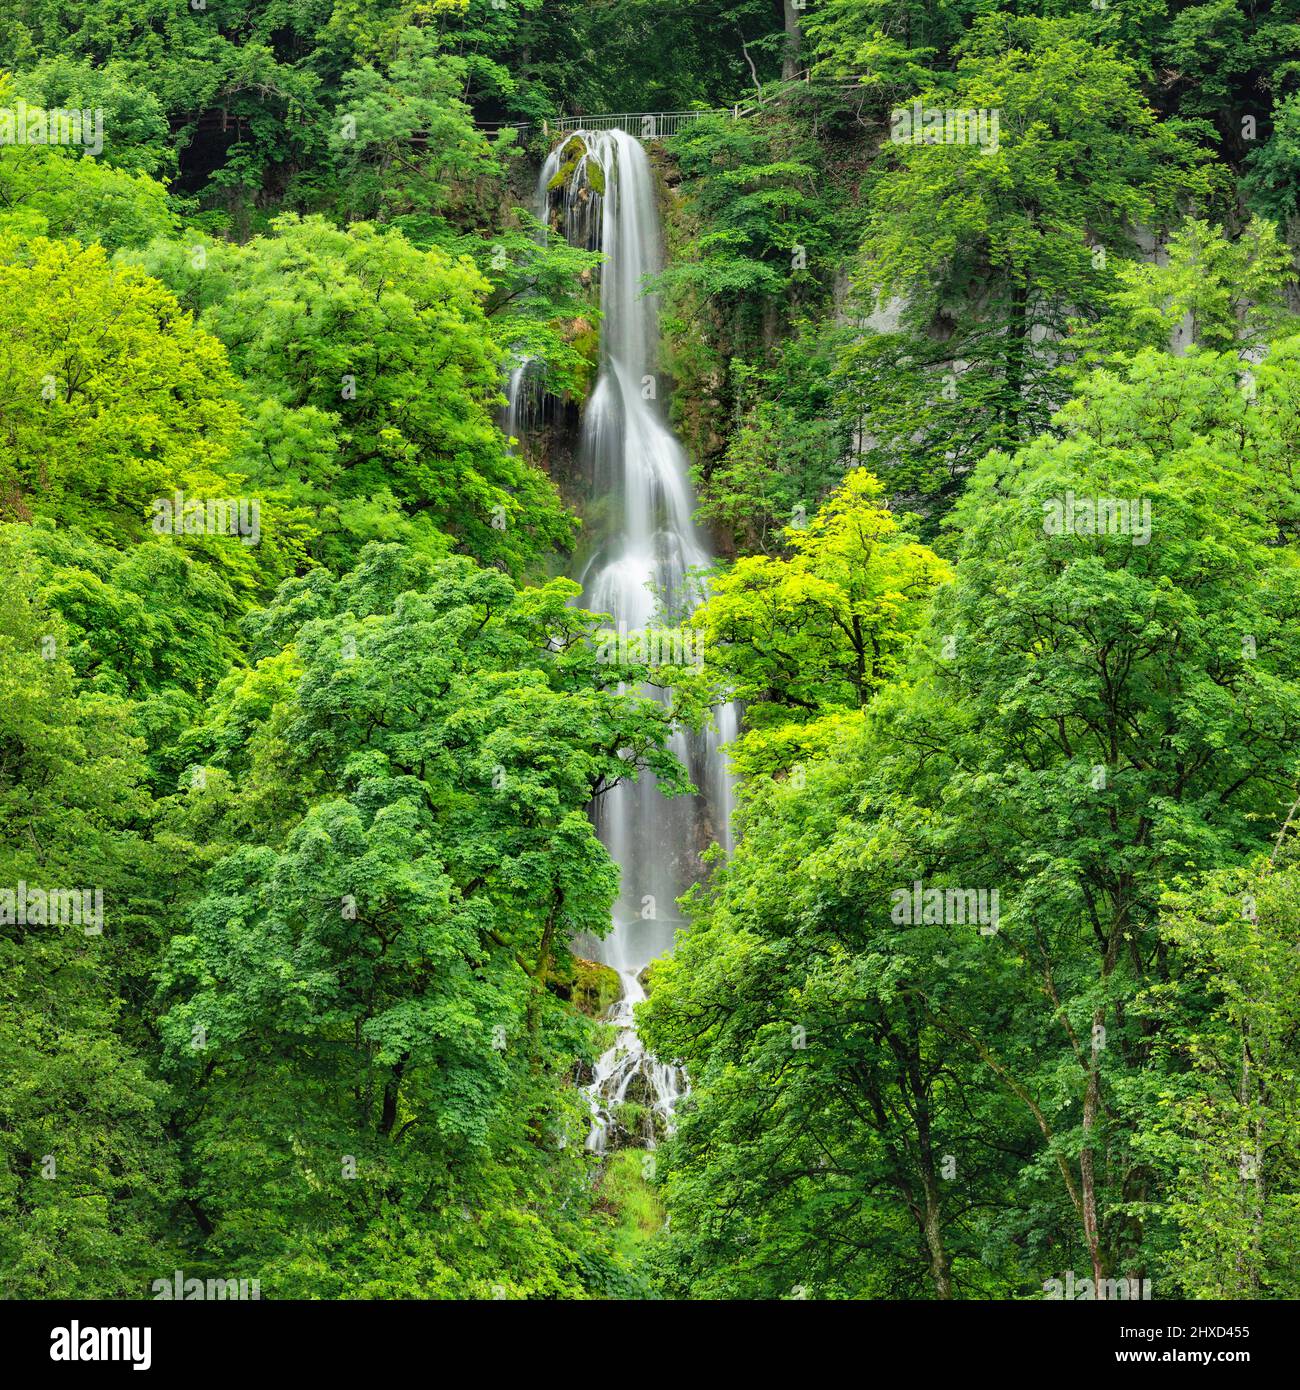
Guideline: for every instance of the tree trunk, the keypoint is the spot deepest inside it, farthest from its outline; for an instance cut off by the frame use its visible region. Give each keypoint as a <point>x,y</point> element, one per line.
<point>793,42</point>
<point>1249,1260</point>
<point>940,1264</point>
<point>388,1115</point>
<point>1017,349</point>
<point>539,974</point>
<point>1087,1177</point>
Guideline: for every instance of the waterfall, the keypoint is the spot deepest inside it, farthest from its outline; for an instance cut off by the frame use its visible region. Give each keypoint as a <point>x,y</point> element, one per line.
<point>640,572</point>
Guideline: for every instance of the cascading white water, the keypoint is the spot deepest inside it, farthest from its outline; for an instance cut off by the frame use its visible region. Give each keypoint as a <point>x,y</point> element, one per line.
<point>641,572</point>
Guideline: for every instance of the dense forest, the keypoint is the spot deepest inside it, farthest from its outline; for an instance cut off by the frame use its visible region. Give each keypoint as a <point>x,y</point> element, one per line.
<point>977,325</point>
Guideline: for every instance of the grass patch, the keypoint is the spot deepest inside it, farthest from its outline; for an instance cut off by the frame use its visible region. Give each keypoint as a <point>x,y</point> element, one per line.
<point>627,1195</point>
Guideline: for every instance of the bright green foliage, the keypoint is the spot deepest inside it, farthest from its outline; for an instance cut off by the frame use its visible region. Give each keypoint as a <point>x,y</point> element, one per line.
<point>115,398</point>
<point>406,147</point>
<point>380,357</point>
<point>134,127</point>
<point>836,1140</point>
<point>158,624</point>
<point>85,1174</point>
<point>999,979</point>
<point>819,633</point>
<point>53,193</point>
<point>150,622</point>
<point>1225,1132</point>
<point>241,82</point>
<point>1125,712</point>
<point>257,91</point>
<point>1219,293</point>
<point>1098,715</point>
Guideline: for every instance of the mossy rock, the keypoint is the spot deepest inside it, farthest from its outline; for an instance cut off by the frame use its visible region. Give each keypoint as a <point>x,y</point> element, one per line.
<point>596,178</point>
<point>573,150</point>
<point>584,338</point>
<point>596,988</point>
<point>633,1125</point>
<point>570,156</point>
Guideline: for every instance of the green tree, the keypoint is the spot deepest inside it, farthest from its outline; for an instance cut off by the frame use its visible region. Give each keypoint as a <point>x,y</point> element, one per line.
<point>1127,704</point>
<point>405,145</point>
<point>1222,1128</point>
<point>53,193</point>
<point>381,358</point>
<point>1092,715</point>
<point>807,640</point>
<point>1272,181</point>
<point>114,397</point>
<point>1212,291</point>
<point>990,246</point>
<point>377,953</point>
<point>86,1172</point>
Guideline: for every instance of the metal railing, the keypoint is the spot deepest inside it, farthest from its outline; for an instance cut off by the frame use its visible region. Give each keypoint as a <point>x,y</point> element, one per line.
<point>645,125</point>
<point>660,125</point>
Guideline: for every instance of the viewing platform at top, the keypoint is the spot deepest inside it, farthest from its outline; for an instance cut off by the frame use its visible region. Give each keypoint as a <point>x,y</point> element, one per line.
<point>661,125</point>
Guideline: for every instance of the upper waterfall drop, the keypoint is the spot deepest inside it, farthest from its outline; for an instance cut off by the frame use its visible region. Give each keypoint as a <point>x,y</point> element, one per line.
<point>644,569</point>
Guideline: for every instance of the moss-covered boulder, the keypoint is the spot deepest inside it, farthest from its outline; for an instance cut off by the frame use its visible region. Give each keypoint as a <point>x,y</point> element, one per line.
<point>595,988</point>
<point>571,156</point>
